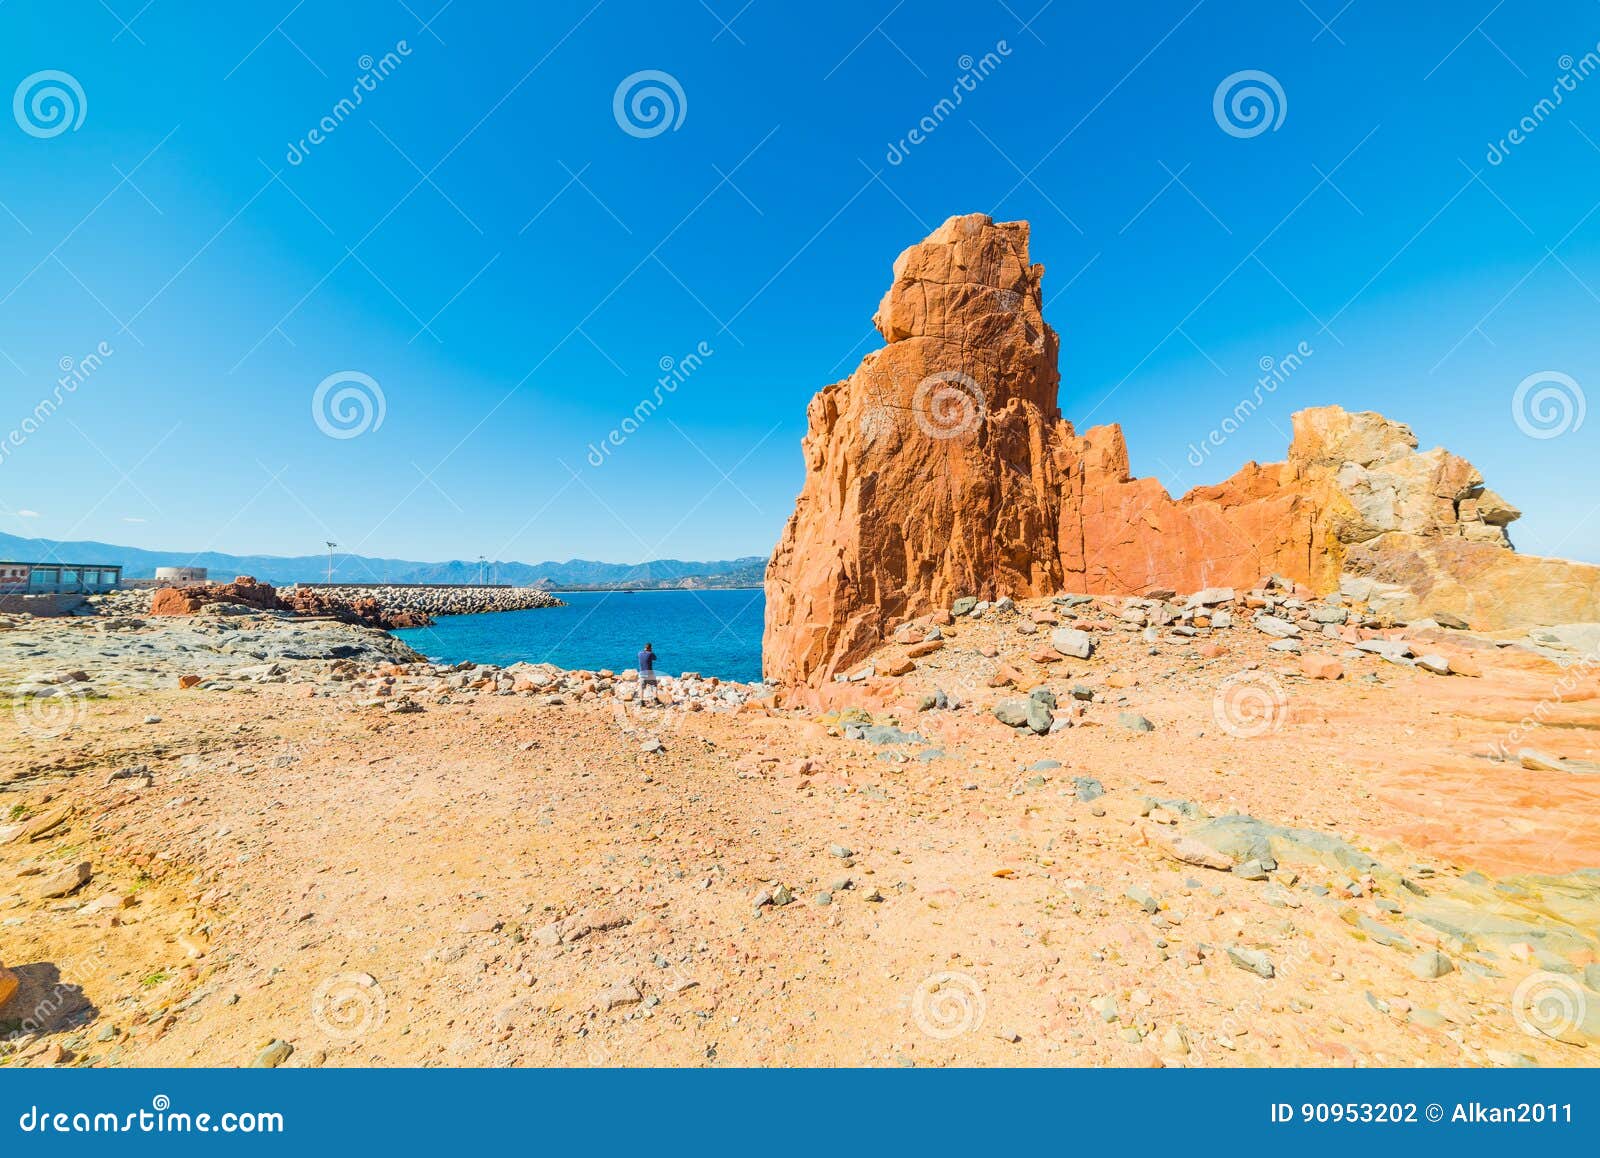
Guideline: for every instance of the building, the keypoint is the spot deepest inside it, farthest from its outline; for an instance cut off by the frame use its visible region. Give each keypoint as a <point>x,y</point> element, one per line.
<point>179,576</point>
<point>58,578</point>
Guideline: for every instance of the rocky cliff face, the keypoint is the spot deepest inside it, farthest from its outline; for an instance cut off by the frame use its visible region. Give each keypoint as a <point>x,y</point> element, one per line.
<point>942,468</point>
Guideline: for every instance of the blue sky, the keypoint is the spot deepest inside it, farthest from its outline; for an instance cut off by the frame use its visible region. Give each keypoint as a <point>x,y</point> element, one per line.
<point>483,239</point>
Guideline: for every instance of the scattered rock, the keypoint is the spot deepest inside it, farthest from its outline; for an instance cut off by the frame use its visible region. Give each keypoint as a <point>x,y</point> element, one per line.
<point>1013,712</point>
<point>64,882</point>
<point>1088,788</point>
<point>273,1056</point>
<point>1321,667</point>
<point>1272,625</point>
<point>1069,641</point>
<point>1191,851</point>
<point>1432,965</point>
<point>1251,961</point>
<point>617,996</point>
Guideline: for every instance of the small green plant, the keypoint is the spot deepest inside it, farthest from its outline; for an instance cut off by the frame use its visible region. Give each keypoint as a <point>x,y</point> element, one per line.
<point>154,979</point>
<point>18,811</point>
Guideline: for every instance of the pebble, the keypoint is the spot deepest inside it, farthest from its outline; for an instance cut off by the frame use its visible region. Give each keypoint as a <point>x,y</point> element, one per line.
<point>273,1056</point>
<point>1251,961</point>
<point>1069,641</point>
<point>617,996</point>
<point>1142,898</point>
<point>64,881</point>
<point>1432,965</point>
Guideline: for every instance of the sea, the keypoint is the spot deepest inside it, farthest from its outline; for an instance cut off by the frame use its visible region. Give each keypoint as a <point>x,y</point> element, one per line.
<point>715,633</point>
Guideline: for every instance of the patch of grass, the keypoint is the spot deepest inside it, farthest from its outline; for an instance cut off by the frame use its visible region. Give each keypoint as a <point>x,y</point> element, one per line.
<point>141,883</point>
<point>154,979</point>
<point>18,811</point>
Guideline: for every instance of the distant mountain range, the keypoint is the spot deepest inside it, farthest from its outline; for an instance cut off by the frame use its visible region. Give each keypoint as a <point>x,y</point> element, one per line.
<point>574,574</point>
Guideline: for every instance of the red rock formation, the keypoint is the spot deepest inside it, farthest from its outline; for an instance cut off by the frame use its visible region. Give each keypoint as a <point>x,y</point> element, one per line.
<point>942,468</point>
<point>244,591</point>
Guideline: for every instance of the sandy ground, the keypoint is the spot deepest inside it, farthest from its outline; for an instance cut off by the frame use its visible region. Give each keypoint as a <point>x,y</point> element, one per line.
<point>505,880</point>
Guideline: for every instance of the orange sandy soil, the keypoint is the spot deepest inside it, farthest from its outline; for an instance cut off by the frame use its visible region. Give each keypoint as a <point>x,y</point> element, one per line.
<point>377,889</point>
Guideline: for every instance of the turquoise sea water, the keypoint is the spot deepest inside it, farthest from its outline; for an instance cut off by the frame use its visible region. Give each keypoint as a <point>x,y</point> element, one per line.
<point>716,633</point>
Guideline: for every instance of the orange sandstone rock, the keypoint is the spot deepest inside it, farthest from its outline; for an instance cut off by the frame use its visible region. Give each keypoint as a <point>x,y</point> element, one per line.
<point>1321,667</point>
<point>942,468</point>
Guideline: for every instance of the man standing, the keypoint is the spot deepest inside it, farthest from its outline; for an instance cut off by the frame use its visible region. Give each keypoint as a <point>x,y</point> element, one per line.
<point>647,675</point>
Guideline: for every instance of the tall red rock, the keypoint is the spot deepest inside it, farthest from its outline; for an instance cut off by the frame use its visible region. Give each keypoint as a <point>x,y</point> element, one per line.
<point>931,471</point>
<point>942,468</point>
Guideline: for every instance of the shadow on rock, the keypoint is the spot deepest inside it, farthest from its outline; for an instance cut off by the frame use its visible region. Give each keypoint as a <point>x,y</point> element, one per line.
<point>45,1002</point>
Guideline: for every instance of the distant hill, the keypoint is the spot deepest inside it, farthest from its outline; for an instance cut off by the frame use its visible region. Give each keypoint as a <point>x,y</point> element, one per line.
<point>280,569</point>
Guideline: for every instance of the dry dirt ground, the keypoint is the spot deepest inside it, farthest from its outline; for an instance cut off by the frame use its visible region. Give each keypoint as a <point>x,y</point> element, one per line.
<point>303,878</point>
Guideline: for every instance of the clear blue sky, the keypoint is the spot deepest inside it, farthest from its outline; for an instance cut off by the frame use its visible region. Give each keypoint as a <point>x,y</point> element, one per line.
<point>484,240</point>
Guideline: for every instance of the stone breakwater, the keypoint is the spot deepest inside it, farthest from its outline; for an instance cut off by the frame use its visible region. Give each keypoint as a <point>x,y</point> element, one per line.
<point>380,606</point>
<point>434,601</point>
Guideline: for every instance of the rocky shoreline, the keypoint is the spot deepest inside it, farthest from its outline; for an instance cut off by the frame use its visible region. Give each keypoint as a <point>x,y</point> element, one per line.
<point>227,647</point>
